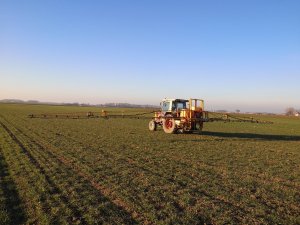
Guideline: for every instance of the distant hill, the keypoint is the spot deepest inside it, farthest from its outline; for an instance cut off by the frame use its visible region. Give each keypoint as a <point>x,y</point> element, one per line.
<point>12,101</point>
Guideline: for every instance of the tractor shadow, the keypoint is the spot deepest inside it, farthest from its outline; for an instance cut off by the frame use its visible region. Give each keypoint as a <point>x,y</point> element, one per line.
<point>269,137</point>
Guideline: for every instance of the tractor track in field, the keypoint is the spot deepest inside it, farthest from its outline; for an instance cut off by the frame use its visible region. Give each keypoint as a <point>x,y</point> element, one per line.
<point>203,193</point>
<point>216,199</point>
<point>170,180</point>
<point>55,189</point>
<point>109,194</point>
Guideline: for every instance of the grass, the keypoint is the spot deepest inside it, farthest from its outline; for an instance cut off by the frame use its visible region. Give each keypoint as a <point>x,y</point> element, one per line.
<point>115,171</point>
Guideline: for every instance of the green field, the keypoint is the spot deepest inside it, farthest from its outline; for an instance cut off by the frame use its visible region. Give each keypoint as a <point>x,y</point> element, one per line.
<point>115,171</point>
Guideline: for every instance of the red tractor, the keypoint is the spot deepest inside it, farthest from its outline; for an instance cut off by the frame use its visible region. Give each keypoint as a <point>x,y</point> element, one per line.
<point>180,115</point>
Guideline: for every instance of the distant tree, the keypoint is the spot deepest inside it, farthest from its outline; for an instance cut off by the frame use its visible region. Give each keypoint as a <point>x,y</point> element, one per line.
<point>290,111</point>
<point>237,111</point>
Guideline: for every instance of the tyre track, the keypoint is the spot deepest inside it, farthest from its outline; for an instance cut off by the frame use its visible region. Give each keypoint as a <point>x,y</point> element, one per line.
<point>221,200</point>
<point>107,193</point>
<point>55,189</point>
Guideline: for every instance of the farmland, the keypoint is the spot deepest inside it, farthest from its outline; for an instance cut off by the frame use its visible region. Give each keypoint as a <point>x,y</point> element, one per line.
<point>115,171</point>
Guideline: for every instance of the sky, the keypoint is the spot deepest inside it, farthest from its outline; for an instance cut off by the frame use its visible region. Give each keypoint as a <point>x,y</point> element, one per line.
<point>242,54</point>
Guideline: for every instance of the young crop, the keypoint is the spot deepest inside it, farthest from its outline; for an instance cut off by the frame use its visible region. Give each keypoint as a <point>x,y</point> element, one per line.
<point>114,171</point>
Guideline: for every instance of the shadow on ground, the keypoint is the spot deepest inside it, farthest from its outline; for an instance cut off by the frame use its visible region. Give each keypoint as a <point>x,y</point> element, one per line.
<point>12,201</point>
<point>269,137</point>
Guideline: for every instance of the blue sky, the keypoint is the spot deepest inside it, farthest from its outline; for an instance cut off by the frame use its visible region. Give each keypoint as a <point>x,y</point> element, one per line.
<point>234,54</point>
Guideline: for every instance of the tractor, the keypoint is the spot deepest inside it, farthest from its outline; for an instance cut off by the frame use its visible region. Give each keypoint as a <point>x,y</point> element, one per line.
<point>180,116</point>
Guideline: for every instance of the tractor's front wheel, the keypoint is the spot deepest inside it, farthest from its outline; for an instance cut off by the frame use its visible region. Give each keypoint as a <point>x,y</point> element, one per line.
<point>152,125</point>
<point>169,125</point>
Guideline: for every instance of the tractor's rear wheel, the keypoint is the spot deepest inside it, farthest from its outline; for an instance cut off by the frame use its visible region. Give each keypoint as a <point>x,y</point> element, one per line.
<point>152,125</point>
<point>169,125</point>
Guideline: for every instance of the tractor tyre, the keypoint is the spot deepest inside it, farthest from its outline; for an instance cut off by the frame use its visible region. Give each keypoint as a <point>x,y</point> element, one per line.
<point>152,125</point>
<point>169,125</point>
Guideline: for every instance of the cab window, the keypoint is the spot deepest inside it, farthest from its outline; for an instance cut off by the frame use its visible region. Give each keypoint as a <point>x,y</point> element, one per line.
<point>181,105</point>
<point>165,106</point>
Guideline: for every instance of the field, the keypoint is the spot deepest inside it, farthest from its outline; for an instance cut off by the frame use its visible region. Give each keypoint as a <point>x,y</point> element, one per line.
<point>115,171</point>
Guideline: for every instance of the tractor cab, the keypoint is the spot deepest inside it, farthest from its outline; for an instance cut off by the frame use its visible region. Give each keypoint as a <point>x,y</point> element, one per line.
<point>173,105</point>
